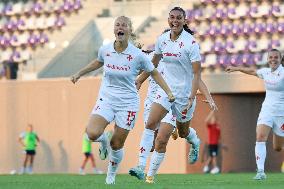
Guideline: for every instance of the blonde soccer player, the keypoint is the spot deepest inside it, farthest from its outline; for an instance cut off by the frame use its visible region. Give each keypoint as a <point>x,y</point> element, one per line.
<point>118,99</point>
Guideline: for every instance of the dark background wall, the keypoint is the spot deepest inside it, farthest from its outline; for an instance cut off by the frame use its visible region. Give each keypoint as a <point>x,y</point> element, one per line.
<point>237,116</point>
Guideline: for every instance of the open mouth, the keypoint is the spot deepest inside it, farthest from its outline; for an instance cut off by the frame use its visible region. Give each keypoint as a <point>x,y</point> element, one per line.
<point>120,34</point>
<point>174,25</point>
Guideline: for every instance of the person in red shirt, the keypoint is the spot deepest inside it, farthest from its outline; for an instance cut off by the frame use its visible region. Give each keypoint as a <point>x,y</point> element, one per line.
<point>214,135</point>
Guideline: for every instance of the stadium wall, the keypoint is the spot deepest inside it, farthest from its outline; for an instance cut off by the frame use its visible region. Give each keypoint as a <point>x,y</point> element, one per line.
<point>59,112</point>
<point>81,51</point>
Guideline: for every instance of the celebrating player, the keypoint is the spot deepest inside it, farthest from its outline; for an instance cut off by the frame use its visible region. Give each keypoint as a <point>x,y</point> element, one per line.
<point>118,99</point>
<point>182,68</point>
<point>271,115</point>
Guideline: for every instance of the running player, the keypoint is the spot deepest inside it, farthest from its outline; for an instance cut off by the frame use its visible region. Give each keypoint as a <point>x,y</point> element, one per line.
<point>168,121</point>
<point>181,58</point>
<point>118,99</point>
<point>271,115</point>
<point>29,140</point>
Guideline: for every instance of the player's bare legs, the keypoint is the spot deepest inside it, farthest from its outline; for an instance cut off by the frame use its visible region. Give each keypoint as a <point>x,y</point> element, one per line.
<point>262,133</point>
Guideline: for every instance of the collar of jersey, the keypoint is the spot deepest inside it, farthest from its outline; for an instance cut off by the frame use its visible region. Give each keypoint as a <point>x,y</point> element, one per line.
<point>126,51</point>
<point>278,70</point>
<point>179,37</point>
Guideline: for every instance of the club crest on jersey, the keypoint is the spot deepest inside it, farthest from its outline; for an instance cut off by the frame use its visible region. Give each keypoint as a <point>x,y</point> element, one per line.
<point>129,57</point>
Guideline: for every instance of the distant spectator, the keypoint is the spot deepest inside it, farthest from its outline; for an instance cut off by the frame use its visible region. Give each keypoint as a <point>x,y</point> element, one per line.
<point>87,150</point>
<point>214,135</point>
<point>29,140</point>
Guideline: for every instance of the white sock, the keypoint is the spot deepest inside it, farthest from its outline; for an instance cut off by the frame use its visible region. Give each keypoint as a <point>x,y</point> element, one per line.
<point>114,160</point>
<point>260,154</point>
<point>156,160</point>
<point>103,139</point>
<point>192,136</point>
<point>145,146</point>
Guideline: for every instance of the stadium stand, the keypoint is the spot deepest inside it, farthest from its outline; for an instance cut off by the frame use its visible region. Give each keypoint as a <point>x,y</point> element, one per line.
<point>235,32</point>
<point>229,31</point>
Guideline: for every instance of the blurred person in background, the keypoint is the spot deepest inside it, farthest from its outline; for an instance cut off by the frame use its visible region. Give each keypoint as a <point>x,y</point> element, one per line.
<point>29,140</point>
<point>87,151</point>
<point>214,136</point>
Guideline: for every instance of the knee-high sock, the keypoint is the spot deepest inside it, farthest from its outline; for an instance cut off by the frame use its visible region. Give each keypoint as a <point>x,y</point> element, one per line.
<point>156,160</point>
<point>114,160</point>
<point>103,140</point>
<point>145,146</point>
<point>260,154</point>
<point>192,136</point>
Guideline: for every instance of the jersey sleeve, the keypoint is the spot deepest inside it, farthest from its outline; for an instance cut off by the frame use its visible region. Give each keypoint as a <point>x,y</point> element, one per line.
<point>158,46</point>
<point>101,55</point>
<point>146,64</point>
<point>260,72</point>
<point>194,55</point>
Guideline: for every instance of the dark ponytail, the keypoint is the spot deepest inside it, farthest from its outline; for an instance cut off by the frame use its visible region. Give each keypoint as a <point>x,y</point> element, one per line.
<point>185,27</point>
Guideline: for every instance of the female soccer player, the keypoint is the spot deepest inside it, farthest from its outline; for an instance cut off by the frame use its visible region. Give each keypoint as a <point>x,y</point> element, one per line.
<point>181,58</point>
<point>271,115</point>
<point>118,97</point>
<point>169,121</point>
<point>29,140</point>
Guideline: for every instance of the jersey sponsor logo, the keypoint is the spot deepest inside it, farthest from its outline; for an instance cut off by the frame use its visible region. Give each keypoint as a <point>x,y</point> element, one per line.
<point>130,118</point>
<point>129,57</point>
<point>120,68</point>
<point>181,44</point>
<point>172,54</point>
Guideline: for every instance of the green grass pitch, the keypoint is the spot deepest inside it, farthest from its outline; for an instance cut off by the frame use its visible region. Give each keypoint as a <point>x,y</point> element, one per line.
<point>163,181</point>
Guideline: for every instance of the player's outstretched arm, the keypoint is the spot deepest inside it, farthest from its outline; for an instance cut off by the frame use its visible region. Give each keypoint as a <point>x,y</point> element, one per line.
<point>89,68</point>
<point>204,90</point>
<point>249,71</point>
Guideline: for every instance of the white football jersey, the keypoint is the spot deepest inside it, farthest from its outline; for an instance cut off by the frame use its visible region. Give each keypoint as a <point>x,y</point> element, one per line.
<point>120,71</point>
<point>274,85</point>
<point>178,57</point>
